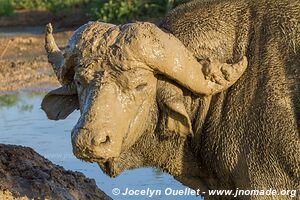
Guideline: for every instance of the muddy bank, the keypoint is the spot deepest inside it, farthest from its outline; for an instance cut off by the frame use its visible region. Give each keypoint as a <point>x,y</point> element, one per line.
<point>23,63</point>
<point>24,174</point>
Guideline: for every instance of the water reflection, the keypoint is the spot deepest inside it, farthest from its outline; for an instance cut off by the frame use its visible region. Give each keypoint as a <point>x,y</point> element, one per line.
<point>22,122</point>
<point>14,100</point>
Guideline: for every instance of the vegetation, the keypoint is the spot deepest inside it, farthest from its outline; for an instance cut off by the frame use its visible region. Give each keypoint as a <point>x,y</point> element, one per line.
<point>122,11</point>
<point>116,11</point>
<point>53,6</point>
<point>6,8</point>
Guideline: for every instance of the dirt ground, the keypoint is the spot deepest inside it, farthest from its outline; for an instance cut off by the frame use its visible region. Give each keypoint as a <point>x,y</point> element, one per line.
<point>23,63</point>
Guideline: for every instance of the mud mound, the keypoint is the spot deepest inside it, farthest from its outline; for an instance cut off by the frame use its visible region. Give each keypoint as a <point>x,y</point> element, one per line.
<point>24,174</point>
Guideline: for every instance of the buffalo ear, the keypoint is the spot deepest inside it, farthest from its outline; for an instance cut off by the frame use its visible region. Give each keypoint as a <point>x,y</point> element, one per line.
<point>58,105</point>
<point>178,120</point>
<point>171,101</point>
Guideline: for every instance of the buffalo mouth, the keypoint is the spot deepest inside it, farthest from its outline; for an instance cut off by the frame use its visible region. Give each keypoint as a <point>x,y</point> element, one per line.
<point>108,166</point>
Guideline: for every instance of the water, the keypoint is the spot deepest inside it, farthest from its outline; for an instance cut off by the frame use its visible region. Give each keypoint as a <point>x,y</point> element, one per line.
<point>22,122</point>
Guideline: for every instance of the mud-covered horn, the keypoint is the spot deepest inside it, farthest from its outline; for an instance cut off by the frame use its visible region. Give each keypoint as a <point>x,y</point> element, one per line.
<point>55,56</point>
<point>166,55</point>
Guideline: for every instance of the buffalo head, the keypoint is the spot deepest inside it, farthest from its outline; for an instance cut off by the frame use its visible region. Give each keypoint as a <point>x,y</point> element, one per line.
<point>121,78</point>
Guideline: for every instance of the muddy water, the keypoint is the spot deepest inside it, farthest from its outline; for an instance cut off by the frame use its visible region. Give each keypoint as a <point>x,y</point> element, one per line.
<point>22,122</point>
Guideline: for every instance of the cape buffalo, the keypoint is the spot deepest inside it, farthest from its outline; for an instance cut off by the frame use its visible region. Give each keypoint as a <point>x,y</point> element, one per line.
<point>210,95</point>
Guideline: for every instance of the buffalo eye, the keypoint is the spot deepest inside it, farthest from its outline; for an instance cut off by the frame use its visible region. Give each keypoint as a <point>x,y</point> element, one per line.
<point>78,83</point>
<point>141,86</point>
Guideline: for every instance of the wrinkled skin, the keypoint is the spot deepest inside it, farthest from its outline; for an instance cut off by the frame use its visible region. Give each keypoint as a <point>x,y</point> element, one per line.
<point>136,111</point>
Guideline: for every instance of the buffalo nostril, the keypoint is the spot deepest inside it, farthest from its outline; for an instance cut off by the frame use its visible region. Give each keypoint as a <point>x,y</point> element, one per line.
<point>100,140</point>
